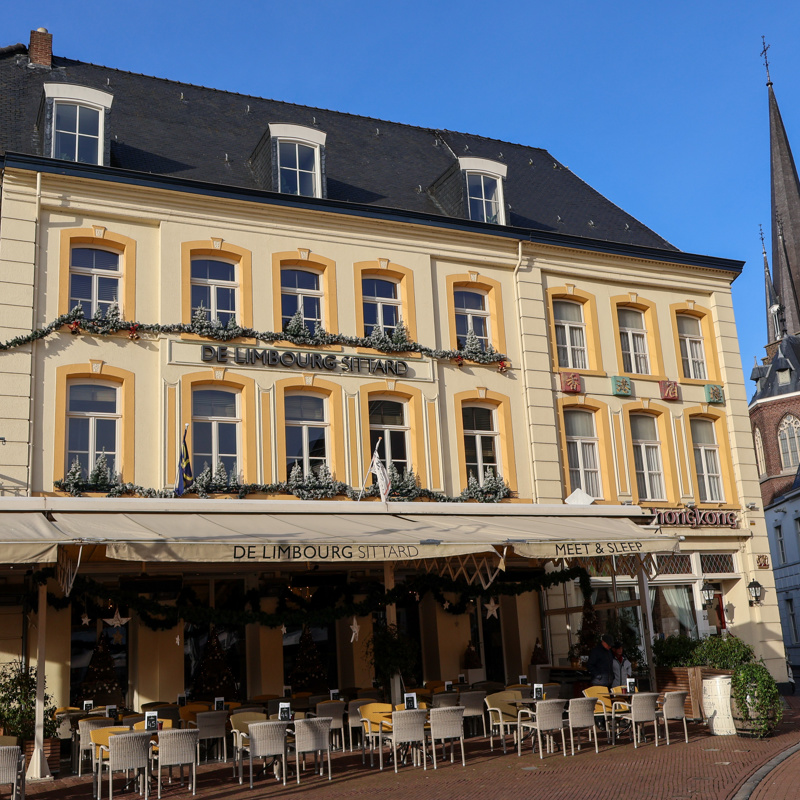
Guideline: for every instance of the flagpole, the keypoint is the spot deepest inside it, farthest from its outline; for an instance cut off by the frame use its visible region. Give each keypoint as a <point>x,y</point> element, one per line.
<point>180,454</point>
<point>366,474</point>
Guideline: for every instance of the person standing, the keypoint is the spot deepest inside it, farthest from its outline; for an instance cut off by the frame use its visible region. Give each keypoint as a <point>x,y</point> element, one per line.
<point>620,666</point>
<point>600,664</point>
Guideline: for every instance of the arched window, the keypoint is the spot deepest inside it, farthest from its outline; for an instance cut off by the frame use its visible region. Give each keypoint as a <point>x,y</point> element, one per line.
<point>300,290</point>
<point>216,423</point>
<point>633,338</point>
<point>387,422</point>
<point>570,334</point>
<point>381,305</point>
<point>471,315</point>
<point>584,465</point>
<point>789,441</point>
<point>761,461</point>
<point>706,461</point>
<point>92,425</point>
<point>480,440</point>
<point>693,357</point>
<point>214,288</point>
<point>647,457</point>
<point>306,432</point>
<point>94,279</point>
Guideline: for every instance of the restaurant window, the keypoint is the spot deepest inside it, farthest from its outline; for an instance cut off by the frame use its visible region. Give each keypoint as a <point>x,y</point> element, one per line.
<point>582,454</point>
<point>214,289</point>
<point>706,461</point>
<point>789,441</point>
<point>673,610</point>
<point>216,423</point>
<point>693,357</point>
<point>92,425</point>
<point>570,334</point>
<point>94,279</point>
<point>633,339</point>
<point>381,299</point>
<point>472,314</point>
<point>307,427</point>
<point>480,440</point>
<point>300,291</point>
<point>388,423</point>
<point>647,457</point>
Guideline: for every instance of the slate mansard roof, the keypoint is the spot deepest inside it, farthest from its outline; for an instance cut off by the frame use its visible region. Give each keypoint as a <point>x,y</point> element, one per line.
<point>187,132</point>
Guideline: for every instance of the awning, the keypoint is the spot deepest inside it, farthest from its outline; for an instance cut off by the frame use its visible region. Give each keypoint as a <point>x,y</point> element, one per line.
<point>248,538</point>
<point>28,538</point>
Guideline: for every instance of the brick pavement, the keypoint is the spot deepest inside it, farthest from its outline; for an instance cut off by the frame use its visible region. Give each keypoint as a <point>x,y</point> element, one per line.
<point>708,768</point>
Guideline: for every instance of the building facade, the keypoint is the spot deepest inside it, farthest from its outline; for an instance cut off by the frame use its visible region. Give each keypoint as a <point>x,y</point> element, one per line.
<point>289,291</point>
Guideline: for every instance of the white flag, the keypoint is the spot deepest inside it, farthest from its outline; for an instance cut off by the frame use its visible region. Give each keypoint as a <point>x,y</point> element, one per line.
<point>378,469</point>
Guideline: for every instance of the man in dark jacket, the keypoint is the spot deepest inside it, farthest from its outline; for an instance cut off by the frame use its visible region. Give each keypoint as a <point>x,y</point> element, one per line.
<point>601,662</point>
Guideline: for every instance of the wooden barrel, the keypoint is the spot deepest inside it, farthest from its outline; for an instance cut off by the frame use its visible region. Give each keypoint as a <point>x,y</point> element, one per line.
<point>749,728</point>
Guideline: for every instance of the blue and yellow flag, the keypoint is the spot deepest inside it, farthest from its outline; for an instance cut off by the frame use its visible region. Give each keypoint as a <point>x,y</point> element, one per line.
<point>184,476</point>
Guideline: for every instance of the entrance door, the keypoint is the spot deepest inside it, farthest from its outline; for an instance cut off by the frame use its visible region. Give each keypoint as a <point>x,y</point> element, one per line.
<point>493,648</point>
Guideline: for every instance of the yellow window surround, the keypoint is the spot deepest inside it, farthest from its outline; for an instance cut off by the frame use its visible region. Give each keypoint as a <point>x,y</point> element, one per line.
<point>386,270</point>
<point>305,259</point>
<point>719,420</point>
<point>691,309</point>
<point>494,296</point>
<point>594,351</point>
<point>650,312</point>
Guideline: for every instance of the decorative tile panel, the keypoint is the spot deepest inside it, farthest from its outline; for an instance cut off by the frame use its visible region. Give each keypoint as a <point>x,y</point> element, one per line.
<point>714,393</point>
<point>669,390</point>
<point>621,386</point>
<point>571,383</point>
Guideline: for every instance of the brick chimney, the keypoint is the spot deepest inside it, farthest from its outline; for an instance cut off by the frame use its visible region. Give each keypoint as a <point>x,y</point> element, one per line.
<point>40,50</point>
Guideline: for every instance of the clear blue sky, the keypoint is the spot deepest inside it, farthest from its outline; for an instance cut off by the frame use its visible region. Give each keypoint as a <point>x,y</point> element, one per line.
<point>660,107</point>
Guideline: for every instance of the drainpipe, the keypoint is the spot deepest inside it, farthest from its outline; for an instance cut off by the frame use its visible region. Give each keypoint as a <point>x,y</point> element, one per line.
<point>36,245</point>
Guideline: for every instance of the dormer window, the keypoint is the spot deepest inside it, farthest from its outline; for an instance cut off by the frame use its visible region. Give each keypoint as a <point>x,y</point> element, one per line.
<point>484,189</point>
<point>75,127</point>
<point>298,159</point>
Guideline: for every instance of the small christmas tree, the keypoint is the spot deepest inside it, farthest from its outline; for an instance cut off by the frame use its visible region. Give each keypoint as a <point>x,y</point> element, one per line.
<point>219,483</point>
<point>75,473</point>
<point>296,326</point>
<point>202,483</point>
<point>589,634</point>
<point>101,684</point>
<point>308,672</point>
<point>99,476</point>
<point>214,677</point>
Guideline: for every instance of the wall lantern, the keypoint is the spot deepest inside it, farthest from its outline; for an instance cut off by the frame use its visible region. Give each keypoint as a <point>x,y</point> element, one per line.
<point>755,589</point>
<point>708,595</point>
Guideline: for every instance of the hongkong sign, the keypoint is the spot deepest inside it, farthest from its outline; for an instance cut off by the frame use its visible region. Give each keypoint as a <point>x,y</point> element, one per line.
<point>694,518</point>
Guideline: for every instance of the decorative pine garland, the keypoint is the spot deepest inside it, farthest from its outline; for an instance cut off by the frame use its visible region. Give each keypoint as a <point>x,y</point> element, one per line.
<point>296,333</point>
<point>326,605</point>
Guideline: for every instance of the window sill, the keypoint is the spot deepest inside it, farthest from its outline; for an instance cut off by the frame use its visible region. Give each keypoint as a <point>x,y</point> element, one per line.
<point>403,355</point>
<point>696,382</point>
<point>597,373</point>
<point>635,376</point>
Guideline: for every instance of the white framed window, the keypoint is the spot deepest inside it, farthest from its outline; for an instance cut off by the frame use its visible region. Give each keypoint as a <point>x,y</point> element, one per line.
<point>693,356</point>
<point>792,619</point>
<point>300,289</point>
<point>789,441</point>
<point>780,543</point>
<point>582,453</point>
<point>388,422</point>
<point>706,461</point>
<point>484,187</point>
<point>570,334</point>
<point>307,431</point>
<point>77,130</point>
<point>647,457</point>
<point>298,151</point>
<point>94,279</point>
<point>480,440</point>
<point>633,338</point>
<point>92,424</point>
<point>381,299</point>
<point>214,288</point>
<point>761,461</point>
<point>471,315</point>
<point>216,429</point>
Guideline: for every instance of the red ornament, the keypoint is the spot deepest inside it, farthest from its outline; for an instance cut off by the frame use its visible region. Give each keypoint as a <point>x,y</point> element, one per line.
<point>459,361</point>
<point>502,366</point>
<point>132,334</point>
<point>75,327</point>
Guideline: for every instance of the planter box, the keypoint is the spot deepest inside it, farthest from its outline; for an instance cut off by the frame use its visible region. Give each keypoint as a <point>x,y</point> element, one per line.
<point>687,679</point>
<point>52,752</point>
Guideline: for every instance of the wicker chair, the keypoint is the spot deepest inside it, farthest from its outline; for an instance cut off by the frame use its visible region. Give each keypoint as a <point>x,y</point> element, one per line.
<point>674,708</point>
<point>549,718</point>
<point>85,728</point>
<point>12,770</point>
<point>313,736</point>
<point>373,721</point>
<point>642,710</point>
<point>100,738</point>
<point>265,739</point>
<point>175,748</point>
<point>126,751</point>
<point>335,710</point>
<point>447,723</point>
<point>354,717</point>
<point>502,715</point>
<point>211,725</point>
<point>444,700</point>
<point>408,727</point>
<point>603,705</point>
<point>474,708</point>
<point>240,723</point>
<point>525,689</point>
<point>580,713</point>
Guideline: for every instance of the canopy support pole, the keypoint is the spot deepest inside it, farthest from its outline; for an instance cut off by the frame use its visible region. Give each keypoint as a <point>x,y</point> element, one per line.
<point>391,619</point>
<point>38,769</point>
<point>647,619</point>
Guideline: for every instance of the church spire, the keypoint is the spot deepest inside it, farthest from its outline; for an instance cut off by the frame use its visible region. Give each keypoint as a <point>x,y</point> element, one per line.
<point>785,191</point>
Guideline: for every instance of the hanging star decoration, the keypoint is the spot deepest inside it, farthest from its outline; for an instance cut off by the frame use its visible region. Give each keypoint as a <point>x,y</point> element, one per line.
<point>283,630</point>
<point>355,628</point>
<point>117,621</point>
<point>177,640</point>
<point>85,620</point>
<point>446,605</point>
<point>118,636</point>
<point>491,608</point>
<point>416,596</point>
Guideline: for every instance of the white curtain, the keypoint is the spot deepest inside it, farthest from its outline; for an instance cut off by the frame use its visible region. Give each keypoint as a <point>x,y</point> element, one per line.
<point>678,598</point>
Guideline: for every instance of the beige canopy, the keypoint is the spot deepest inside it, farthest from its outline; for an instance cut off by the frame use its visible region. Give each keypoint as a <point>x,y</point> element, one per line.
<point>28,538</point>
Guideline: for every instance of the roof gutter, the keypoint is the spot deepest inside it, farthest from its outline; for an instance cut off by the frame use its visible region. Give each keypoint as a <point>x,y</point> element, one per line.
<point>552,238</point>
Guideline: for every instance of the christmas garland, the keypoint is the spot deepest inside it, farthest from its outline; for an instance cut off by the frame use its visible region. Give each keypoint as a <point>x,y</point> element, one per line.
<point>295,332</point>
<point>325,606</point>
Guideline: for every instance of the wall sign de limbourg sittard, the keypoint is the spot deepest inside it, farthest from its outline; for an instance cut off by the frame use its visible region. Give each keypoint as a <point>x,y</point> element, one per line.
<point>694,518</point>
<point>291,358</point>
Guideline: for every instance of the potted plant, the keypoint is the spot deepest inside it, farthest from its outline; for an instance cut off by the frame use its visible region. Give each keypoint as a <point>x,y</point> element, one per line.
<point>756,704</point>
<point>18,711</point>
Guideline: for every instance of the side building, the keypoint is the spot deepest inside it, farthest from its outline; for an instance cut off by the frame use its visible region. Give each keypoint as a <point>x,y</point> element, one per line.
<point>287,292</point>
